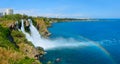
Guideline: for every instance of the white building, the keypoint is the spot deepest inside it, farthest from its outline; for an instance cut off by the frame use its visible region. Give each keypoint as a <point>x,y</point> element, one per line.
<point>9,11</point>
<point>6,12</point>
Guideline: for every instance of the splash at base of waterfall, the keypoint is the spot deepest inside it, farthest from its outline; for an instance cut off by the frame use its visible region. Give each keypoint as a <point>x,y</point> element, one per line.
<point>37,41</point>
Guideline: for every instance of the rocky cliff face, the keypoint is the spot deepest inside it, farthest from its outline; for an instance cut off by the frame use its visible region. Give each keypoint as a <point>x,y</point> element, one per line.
<point>14,48</point>
<point>17,44</point>
<point>41,26</point>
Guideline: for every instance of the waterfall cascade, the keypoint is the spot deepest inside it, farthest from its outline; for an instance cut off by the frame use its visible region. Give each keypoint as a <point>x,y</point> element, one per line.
<point>36,39</point>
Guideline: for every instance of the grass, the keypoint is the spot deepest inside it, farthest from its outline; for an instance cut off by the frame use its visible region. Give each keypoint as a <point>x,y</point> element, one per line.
<point>19,37</point>
<point>9,54</point>
<point>4,41</point>
<point>6,55</point>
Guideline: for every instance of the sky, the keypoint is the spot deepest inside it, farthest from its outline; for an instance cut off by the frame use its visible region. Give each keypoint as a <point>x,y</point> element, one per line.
<point>65,8</point>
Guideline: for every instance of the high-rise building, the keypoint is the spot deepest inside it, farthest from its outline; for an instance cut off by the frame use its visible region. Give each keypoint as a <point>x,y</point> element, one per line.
<point>9,11</point>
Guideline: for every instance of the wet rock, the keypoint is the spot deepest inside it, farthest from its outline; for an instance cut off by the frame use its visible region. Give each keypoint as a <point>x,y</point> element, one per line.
<point>27,24</point>
<point>16,25</point>
<point>58,60</point>
<point>12,26</point>
<point>47,33</point>
<point>30,51</point>
<point>37,57</point>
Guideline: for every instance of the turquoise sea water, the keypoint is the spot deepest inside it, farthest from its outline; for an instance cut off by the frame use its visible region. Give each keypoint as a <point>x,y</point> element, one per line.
<point>106,33</point>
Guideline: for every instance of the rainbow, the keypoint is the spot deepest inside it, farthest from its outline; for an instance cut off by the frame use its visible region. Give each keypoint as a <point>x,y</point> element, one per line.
<point>100,47</point>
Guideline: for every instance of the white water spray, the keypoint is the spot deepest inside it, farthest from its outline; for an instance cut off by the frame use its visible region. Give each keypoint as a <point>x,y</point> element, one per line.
<point>36,39</point>
<point>47,44</point>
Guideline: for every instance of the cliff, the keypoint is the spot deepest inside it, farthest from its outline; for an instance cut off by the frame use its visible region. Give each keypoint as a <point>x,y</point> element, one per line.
<point>14,48</point>
<point>42,27</point>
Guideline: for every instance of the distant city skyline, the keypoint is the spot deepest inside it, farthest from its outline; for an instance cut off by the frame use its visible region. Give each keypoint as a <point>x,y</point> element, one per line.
<point>7,11</point>
<point>65,8</point>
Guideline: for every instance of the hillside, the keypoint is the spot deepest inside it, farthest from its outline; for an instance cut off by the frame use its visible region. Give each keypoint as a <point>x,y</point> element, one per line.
<point>14,47</point>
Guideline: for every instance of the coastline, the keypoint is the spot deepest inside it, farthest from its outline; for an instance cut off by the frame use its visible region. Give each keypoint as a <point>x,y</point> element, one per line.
<point>42,24</point>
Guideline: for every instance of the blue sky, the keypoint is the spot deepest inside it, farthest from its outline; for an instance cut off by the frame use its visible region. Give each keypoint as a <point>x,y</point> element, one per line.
<point>65,8</point>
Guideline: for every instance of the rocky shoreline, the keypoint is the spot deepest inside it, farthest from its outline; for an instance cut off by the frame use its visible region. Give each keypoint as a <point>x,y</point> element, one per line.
<point>26,50</point>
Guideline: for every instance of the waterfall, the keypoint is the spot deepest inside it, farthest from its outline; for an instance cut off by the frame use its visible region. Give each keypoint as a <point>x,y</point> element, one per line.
<point>37,41</point>
<point>26,34</point>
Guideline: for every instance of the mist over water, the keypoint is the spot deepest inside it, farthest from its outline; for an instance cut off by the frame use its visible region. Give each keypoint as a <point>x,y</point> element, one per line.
<point>104,34</point>
<point>100,47</point>
<point>48,44</point>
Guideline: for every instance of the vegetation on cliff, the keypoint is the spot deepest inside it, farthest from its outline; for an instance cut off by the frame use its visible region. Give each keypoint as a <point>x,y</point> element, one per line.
<point>14,47</point>
<point>13,51</point>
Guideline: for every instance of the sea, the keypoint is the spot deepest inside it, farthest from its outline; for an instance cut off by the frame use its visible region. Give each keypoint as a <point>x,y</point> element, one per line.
<point>102,39</point>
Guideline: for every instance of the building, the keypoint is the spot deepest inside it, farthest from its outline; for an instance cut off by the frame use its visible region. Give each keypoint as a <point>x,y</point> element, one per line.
<point>9,11</point>
<point>1,14</point>
<point>6,12</point>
